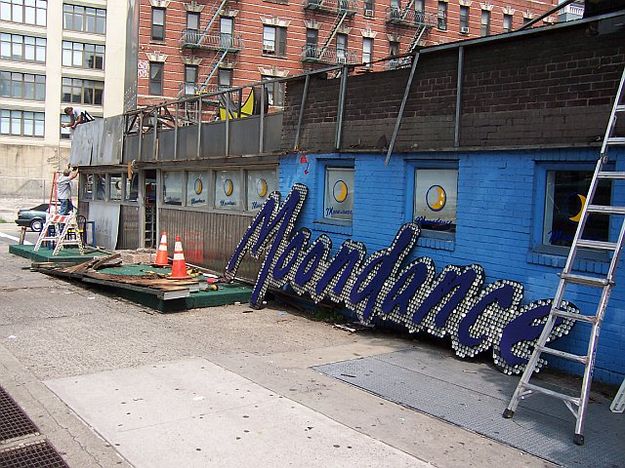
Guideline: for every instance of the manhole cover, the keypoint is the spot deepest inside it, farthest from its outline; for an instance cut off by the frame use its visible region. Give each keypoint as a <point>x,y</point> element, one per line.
<point>39,455</point>
<point>13,421</point>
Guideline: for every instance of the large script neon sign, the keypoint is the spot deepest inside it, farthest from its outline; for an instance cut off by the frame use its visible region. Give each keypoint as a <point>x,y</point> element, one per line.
<point>455,302</point>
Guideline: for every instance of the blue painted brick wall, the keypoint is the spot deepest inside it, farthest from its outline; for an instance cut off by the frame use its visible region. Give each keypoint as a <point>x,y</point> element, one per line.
<point>496,216</point>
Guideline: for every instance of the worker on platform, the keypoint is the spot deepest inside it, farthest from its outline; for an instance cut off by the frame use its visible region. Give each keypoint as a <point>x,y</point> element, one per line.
<point>64,190</point>
<point>77,117</point>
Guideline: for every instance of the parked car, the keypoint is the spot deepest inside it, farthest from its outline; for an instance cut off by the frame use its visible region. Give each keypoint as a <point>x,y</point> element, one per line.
<point>33,218</point>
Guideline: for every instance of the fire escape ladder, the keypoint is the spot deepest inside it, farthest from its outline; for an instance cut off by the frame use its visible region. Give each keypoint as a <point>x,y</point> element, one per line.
<point>335,27</point>
<point>407,8</point>
<point>416,39</point>
<point>214,66</point>
<point>208,27</point>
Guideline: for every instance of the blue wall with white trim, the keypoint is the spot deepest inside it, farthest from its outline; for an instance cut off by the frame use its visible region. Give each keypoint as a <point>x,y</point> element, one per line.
<point>499,219</point>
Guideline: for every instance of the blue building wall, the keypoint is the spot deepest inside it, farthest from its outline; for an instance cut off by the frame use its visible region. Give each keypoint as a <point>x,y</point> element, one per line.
<point>499,220</point>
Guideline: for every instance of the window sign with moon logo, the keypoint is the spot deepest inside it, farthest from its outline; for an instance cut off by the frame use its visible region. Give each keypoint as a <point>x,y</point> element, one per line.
<point>196,189</point>
<point>565,198</point>
<point>338,200</point>
<point>115,187</point>
<point>435,199</point>
<point>260,184</point>
<point>172,188</point>
<point>228,190</point>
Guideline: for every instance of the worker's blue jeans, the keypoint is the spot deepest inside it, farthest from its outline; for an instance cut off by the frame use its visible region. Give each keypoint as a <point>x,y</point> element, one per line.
<point>66,206</point>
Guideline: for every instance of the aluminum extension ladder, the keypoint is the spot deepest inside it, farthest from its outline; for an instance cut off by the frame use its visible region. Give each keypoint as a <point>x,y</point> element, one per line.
<point>579,405</point>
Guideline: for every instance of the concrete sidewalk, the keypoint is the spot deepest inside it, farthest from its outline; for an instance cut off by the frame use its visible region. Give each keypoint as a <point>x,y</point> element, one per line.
<point>79,361</point>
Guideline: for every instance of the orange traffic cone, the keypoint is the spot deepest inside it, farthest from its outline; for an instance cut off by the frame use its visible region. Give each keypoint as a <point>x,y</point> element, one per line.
<point>178,267</point>
<point>161,254</point>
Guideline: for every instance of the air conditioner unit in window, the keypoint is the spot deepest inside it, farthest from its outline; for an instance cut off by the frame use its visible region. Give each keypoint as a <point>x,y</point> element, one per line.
<point>369,13</point>
<point>269,48</point>
<point>341,60</point>
<point>464,30</point>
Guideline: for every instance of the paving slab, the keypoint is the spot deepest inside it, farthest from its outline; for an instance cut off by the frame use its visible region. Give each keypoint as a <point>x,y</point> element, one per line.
<point>194,413</point>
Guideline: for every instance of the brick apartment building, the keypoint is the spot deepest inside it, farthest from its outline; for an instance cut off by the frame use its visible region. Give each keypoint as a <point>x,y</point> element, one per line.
<point>188,47</point>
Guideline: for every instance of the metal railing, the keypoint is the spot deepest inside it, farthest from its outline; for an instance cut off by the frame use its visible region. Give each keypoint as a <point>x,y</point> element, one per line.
<point>332,6</point>
<point>330,55</point>
<point>217,41</point>
<point>409,17</point>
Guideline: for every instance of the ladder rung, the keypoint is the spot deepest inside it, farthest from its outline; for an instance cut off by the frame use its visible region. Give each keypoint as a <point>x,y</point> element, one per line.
<point>563,354</point>
<point>572,316</point>
<point>592,244</point>
<point>611,175</point>
<point>606,209</point>
<point>586,280</point>
<point>620,108</point>
<point>616,141</point>
<point>546,391</point>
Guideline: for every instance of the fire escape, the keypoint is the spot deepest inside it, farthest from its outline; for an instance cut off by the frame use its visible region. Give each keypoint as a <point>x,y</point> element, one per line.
<point>342,10</point>
<point>409,17</point>
<point>221,43</point>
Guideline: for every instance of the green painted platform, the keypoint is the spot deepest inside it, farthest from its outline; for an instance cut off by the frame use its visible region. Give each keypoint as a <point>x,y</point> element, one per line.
<point>226,294</point>
<point>44,254</point>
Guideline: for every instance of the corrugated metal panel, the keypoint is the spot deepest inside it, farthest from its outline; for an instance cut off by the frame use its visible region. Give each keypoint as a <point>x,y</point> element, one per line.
<point>209,238</point>
<point>128,232</point>
<point>83,209</point>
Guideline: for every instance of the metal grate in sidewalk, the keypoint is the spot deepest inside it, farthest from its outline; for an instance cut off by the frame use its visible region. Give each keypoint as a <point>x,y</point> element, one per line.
<point>38,455</point>
<point>13,421</point>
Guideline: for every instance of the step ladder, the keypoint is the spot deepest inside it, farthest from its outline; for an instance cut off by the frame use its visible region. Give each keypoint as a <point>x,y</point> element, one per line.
<point>66,233</point>
<point>578,405</point>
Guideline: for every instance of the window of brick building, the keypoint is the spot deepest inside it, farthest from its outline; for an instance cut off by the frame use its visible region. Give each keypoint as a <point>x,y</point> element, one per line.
<point>369,6</point>
<point>225,79</point>
<point>190,79</point>
<point>367,50</point>
<point>158,24</point>
<point>193,21</point>
<point>442,16</point>
<point>507,23</point>
<point>393,48</point>
<point>274,40</point>
<point>84,19</point>
<point>485,23</point>
<point>156,78</point>
<point>464,19</point>
<point>24,11</point>
<point>275,91</point>
<point>226,28</point>
<point>341,48</point>
<point>79,91</point>
<point>312,36</point>
<point>419,6</point>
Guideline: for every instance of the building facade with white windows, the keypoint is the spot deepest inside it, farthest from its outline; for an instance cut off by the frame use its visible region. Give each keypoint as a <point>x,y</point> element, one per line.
<point>54,54</point>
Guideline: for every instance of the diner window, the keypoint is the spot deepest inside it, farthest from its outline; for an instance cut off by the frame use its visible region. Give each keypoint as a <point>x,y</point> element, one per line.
<point>228,190</point>
<point>22,86</point>
<point>565,197</point>
<point>442,16</point>
<point>132,188</point>
<point>84,19</point>
<point>115,187</point>
<point>260,184</point>
<point>338,198</point>
<point>77,54</point>
<point>485,23</point>
<point>156,78</point>
<point>24,11</point>
<point>274,41</point>
<point>158,24</point>
<point>22,48</point>
<point>464,19</point>
<point>197,189</point>
<point>507,23</point>
<point>435,199</point>
<point>173,183</point>
<point>22,123</point>
<point>275,91</point>
<point>99,182</point>
<point>78,91</point>
<point>367,50</point>
<point>87,186</point>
